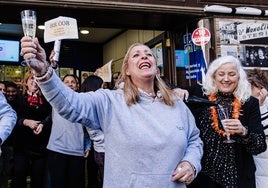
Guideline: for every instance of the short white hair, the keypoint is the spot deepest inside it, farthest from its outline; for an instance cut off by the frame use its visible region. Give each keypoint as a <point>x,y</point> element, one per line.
<point>243,89</point>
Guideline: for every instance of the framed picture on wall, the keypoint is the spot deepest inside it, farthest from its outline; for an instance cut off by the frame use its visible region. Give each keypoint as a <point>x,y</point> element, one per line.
<point>84,75</point>
<point>256,56</point>
<point>159,54</point>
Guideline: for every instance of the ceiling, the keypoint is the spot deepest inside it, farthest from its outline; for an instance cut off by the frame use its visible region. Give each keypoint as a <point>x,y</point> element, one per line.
<point>96,35</point>
<point>103,24</point>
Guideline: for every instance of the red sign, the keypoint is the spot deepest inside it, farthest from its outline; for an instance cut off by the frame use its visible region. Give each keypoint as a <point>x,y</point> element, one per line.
<point>201,36</point>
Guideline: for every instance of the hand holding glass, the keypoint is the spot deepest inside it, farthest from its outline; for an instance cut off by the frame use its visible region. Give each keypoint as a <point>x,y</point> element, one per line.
<point>28,20</point>
<point>224,116</point>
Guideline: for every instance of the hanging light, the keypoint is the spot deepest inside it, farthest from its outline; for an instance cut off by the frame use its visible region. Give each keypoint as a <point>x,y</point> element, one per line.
<point>41,27</point>
<point>248,11</point>
<point>218,9</point>
<point>84,31</point>
<point>238,10</point>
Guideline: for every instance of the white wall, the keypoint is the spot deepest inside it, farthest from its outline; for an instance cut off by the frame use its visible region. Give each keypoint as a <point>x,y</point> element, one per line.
<point>116,48</point>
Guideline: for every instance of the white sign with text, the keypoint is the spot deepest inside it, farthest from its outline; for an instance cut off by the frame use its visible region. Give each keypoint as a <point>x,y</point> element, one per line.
<point>60,28</point>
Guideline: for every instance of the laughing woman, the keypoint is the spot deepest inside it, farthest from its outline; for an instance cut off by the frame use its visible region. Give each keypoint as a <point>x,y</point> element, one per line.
<point>151,139</point>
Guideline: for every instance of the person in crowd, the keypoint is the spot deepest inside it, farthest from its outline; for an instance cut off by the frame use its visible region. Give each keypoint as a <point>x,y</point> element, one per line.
<point>105,85</point>
<point>6,159</point>
<point>3,169</point>
<point>3,87</point>
<point>261,60</point>
<point>228,164</point>
<point>259,86</point>
<point>151,139</point>
<point>250,60</point>
<point>67,147</point>
<point>13,95</point>
<point>8,119</point>
<point>93,83</point>
<point>115,77</point>
<point>31,136</point>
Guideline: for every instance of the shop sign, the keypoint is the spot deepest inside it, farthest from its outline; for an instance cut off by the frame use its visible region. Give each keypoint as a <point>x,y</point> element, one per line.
<point>201,36</point>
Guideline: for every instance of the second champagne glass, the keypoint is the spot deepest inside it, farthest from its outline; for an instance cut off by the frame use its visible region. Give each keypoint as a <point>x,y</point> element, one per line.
<point>28,20</point>
<point>224,116</point>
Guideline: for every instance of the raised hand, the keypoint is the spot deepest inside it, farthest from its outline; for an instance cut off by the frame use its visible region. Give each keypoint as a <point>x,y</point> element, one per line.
<point>262,96</point>
<point>34,51</point>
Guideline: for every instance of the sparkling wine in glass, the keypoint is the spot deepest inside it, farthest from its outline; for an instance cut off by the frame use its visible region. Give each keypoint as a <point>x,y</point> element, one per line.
<point>224,116</point>
<point>28,20</point>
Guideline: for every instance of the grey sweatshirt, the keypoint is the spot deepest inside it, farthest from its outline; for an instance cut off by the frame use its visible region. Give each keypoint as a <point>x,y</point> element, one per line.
<point>144,142</point>
<point>67,137</point>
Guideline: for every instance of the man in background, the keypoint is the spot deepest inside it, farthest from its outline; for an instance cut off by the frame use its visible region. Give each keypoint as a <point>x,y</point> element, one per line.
<point>8,119</point>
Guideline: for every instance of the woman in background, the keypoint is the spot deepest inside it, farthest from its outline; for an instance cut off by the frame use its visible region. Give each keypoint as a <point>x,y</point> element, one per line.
<point>31,136</point>
<point>259,86</point>
<point>93,83</point>
<point>67,147</point>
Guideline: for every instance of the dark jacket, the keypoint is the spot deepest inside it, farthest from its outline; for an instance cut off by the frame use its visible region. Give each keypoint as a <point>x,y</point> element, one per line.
<point>25,140</point>
<point>242,150</point>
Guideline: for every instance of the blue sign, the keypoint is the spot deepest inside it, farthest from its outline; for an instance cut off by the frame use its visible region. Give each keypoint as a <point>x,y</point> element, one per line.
<point>197,67</point>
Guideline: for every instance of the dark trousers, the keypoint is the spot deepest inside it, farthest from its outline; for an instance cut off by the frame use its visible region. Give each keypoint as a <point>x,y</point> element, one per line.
<point>99,159</point>
<point>93,180</point>
<point>66,171</point>
<point>203,181</point>
<point>28,164</point>
<point>6,165</point>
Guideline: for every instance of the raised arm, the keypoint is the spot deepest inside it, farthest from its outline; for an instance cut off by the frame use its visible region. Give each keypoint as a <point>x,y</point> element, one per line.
<point>35,56</point>
<point>8,119</point>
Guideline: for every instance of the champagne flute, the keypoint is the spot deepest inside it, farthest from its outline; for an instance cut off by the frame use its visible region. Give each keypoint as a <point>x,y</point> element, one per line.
<point>223,113</point>
<point>28,20</point>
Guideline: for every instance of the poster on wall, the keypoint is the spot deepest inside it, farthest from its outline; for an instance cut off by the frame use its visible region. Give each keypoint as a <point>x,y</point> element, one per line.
<point>159,54</point>
<point>245,39</point>
<point>14,74</point>
<point>197,67</point>
<point>242,31</point>
<point>181,58</point>
<point>85,74</point>
<point>64,71</point>
<point>253,32</point>
<point>229,50</point>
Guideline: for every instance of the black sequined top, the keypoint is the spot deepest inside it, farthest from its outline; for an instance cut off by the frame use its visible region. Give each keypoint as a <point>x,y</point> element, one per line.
<point>228,164</point>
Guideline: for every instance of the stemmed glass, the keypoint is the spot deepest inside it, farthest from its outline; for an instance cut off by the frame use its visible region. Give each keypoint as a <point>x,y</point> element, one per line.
<point>224,116</point>
<point>28,20</point>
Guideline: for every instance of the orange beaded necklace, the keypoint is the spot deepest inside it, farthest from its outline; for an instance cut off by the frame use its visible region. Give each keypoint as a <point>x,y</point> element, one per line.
<point>214,115</point>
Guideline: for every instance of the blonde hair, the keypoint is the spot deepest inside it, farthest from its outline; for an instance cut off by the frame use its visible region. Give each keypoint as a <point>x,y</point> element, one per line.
<point>27,76</point>
<point>131,91</point>
<point>243,89</point>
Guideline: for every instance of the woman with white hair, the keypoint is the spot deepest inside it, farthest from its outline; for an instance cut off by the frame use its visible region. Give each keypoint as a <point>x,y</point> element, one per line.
<point>229,164</point>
